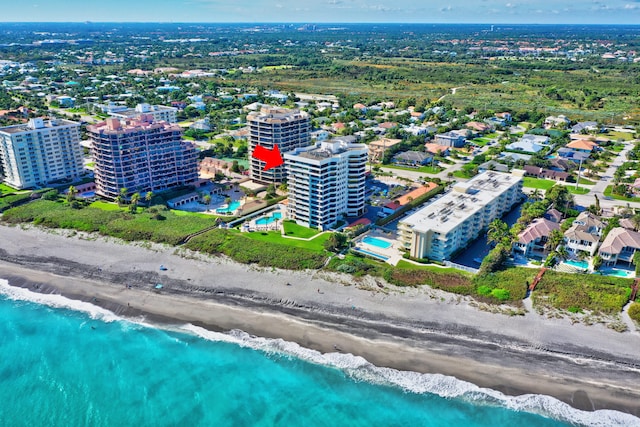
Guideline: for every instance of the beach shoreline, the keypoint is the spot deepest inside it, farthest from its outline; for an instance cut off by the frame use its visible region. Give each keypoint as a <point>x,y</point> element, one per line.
<point>419,330</point>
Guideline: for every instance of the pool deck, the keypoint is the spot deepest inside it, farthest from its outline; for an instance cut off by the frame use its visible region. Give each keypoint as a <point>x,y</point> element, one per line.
<point>273,226</point>
<point>393,254</point>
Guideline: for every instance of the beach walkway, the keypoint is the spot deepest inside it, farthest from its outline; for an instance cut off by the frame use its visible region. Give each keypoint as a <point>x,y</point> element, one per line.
<point>533,284</point>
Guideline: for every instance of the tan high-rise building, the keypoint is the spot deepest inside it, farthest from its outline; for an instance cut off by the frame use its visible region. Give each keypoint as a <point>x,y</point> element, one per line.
<point>287,128</point>
<point>140,155</point>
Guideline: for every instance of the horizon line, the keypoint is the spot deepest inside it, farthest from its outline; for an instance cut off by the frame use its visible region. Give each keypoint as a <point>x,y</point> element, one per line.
<point>318,23</point>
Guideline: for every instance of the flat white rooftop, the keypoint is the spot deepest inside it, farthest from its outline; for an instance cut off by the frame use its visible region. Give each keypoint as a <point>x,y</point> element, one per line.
<point>464,200</point>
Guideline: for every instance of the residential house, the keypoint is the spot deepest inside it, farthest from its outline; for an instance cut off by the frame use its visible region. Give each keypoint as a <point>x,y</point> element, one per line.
<point>492,165</point>
<point>450,139</point>
<point>413,158</point>
<point>583,145</point>
<point>478,126</point>
<point>619,245</point>
<point>561,165</point>
<point>560,122</point>
<point>434,148</point>
<point>554,215</point>
<point>573,155</point>
<point>584,234</point>
<point>542,173</point>
<point>504,116</point>
<point>514,157</point>
<point>378,148</point>
<point>532,240</point>
<point>582,127</point>
<point>393,206</point>
<point>529,143</point>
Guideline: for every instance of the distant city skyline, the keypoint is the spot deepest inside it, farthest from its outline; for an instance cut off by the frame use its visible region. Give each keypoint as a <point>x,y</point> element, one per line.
<point>326,11</point>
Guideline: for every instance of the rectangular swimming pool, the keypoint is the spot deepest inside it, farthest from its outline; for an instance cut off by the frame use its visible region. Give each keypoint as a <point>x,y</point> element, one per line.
<point>382,257</point>
<point>577,264</point>
<point>379,243</point>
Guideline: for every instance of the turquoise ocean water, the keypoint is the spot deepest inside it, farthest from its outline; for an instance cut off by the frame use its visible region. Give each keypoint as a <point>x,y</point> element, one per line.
<point>68,363</point>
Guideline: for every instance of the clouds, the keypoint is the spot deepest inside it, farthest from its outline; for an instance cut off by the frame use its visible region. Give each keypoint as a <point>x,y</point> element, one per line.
<point>428,11</point>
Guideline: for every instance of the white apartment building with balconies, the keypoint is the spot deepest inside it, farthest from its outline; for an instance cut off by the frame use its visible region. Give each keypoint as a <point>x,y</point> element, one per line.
<point>160,113</point>
<point>40,152</point>
<point>326,181</point>
<point>287,128</point>
<point>449,223</point>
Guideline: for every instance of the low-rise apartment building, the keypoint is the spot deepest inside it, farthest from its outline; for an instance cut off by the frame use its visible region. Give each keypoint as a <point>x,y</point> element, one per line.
<point>448,224</point>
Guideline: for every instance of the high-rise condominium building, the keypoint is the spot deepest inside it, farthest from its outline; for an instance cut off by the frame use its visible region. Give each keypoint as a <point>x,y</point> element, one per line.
<point>451,222</point>
<point>140,155</point>
<point>40,151</point>
<point>289,129</point>
<point>326,180</point>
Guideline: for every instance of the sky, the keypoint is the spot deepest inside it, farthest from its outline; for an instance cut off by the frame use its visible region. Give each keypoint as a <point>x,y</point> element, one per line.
<point>319,11</point>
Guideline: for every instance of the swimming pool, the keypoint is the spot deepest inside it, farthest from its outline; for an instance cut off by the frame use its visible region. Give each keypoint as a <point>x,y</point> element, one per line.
<point>618,273</point>
<point>379,243</point>
<point>578,264</point>
<point>88,194</point>
<point>229,209</point>
<point>269,219</point>
<point>373,254</point>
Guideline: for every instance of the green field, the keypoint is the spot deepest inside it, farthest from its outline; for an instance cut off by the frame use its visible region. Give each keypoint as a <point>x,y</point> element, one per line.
<point>424,169</point>
<point>316,244</point>
<point>540,184</point>
<point>294,230</point>
<point>580,190</point>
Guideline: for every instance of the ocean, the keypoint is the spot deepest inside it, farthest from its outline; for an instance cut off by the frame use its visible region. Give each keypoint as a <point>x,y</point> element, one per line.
<point>69,363</point>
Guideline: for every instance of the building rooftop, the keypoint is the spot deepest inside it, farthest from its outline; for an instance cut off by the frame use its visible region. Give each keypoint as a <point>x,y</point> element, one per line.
<point>462,201</point>
<point>115,125</point>
<point>38,123</point>
<point>325,149</point>
<point>275,115</point>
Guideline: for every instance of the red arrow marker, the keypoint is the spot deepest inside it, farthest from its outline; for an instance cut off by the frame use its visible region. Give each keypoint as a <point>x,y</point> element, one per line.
<point>272,158</point>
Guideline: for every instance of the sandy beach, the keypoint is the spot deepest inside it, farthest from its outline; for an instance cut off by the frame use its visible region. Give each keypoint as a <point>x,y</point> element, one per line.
<point>417,329</point>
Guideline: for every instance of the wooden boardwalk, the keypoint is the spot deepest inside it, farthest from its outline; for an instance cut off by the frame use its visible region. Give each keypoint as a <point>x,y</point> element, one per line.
<point>634,289</point>
<point>533,284</point>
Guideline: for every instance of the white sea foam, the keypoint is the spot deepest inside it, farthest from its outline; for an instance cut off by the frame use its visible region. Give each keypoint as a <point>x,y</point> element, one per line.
<point>357,367</point>
<point>56,301</point>
<point>360,369</point>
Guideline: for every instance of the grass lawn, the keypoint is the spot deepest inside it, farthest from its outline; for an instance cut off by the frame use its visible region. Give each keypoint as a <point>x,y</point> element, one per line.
<point>614,136</point>
<point>295,230</point>
<point>6,189</point>
<point>617,148</point>
<point>316,244</point>
<point>107,206</point>
<point>461,174</point>
<point>424,169</point>
<point>609,193</point>
<point>580,190</point>
<point>481,142</point>
<point>585,181</point>
<point>541,184</point>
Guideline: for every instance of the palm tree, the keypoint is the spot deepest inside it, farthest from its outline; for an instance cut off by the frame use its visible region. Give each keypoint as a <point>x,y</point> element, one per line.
<point>207,200</point>
<point>555,239</point>
<point>135,198</point>
<point>497,231</point>
<point>562,253</point>
<point>535,195</point>
<point>122,197</point>
<point>635,220</point>
<point>72,192</point>
<point>148,197</point>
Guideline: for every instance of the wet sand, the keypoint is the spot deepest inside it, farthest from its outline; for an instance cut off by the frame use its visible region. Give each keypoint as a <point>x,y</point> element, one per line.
<point>423,330</point>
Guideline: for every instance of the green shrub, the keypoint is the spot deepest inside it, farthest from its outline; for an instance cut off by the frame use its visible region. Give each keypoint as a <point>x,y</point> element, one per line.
<point>634,311</point>
<point>484,290</point>
<point>501,294</point>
